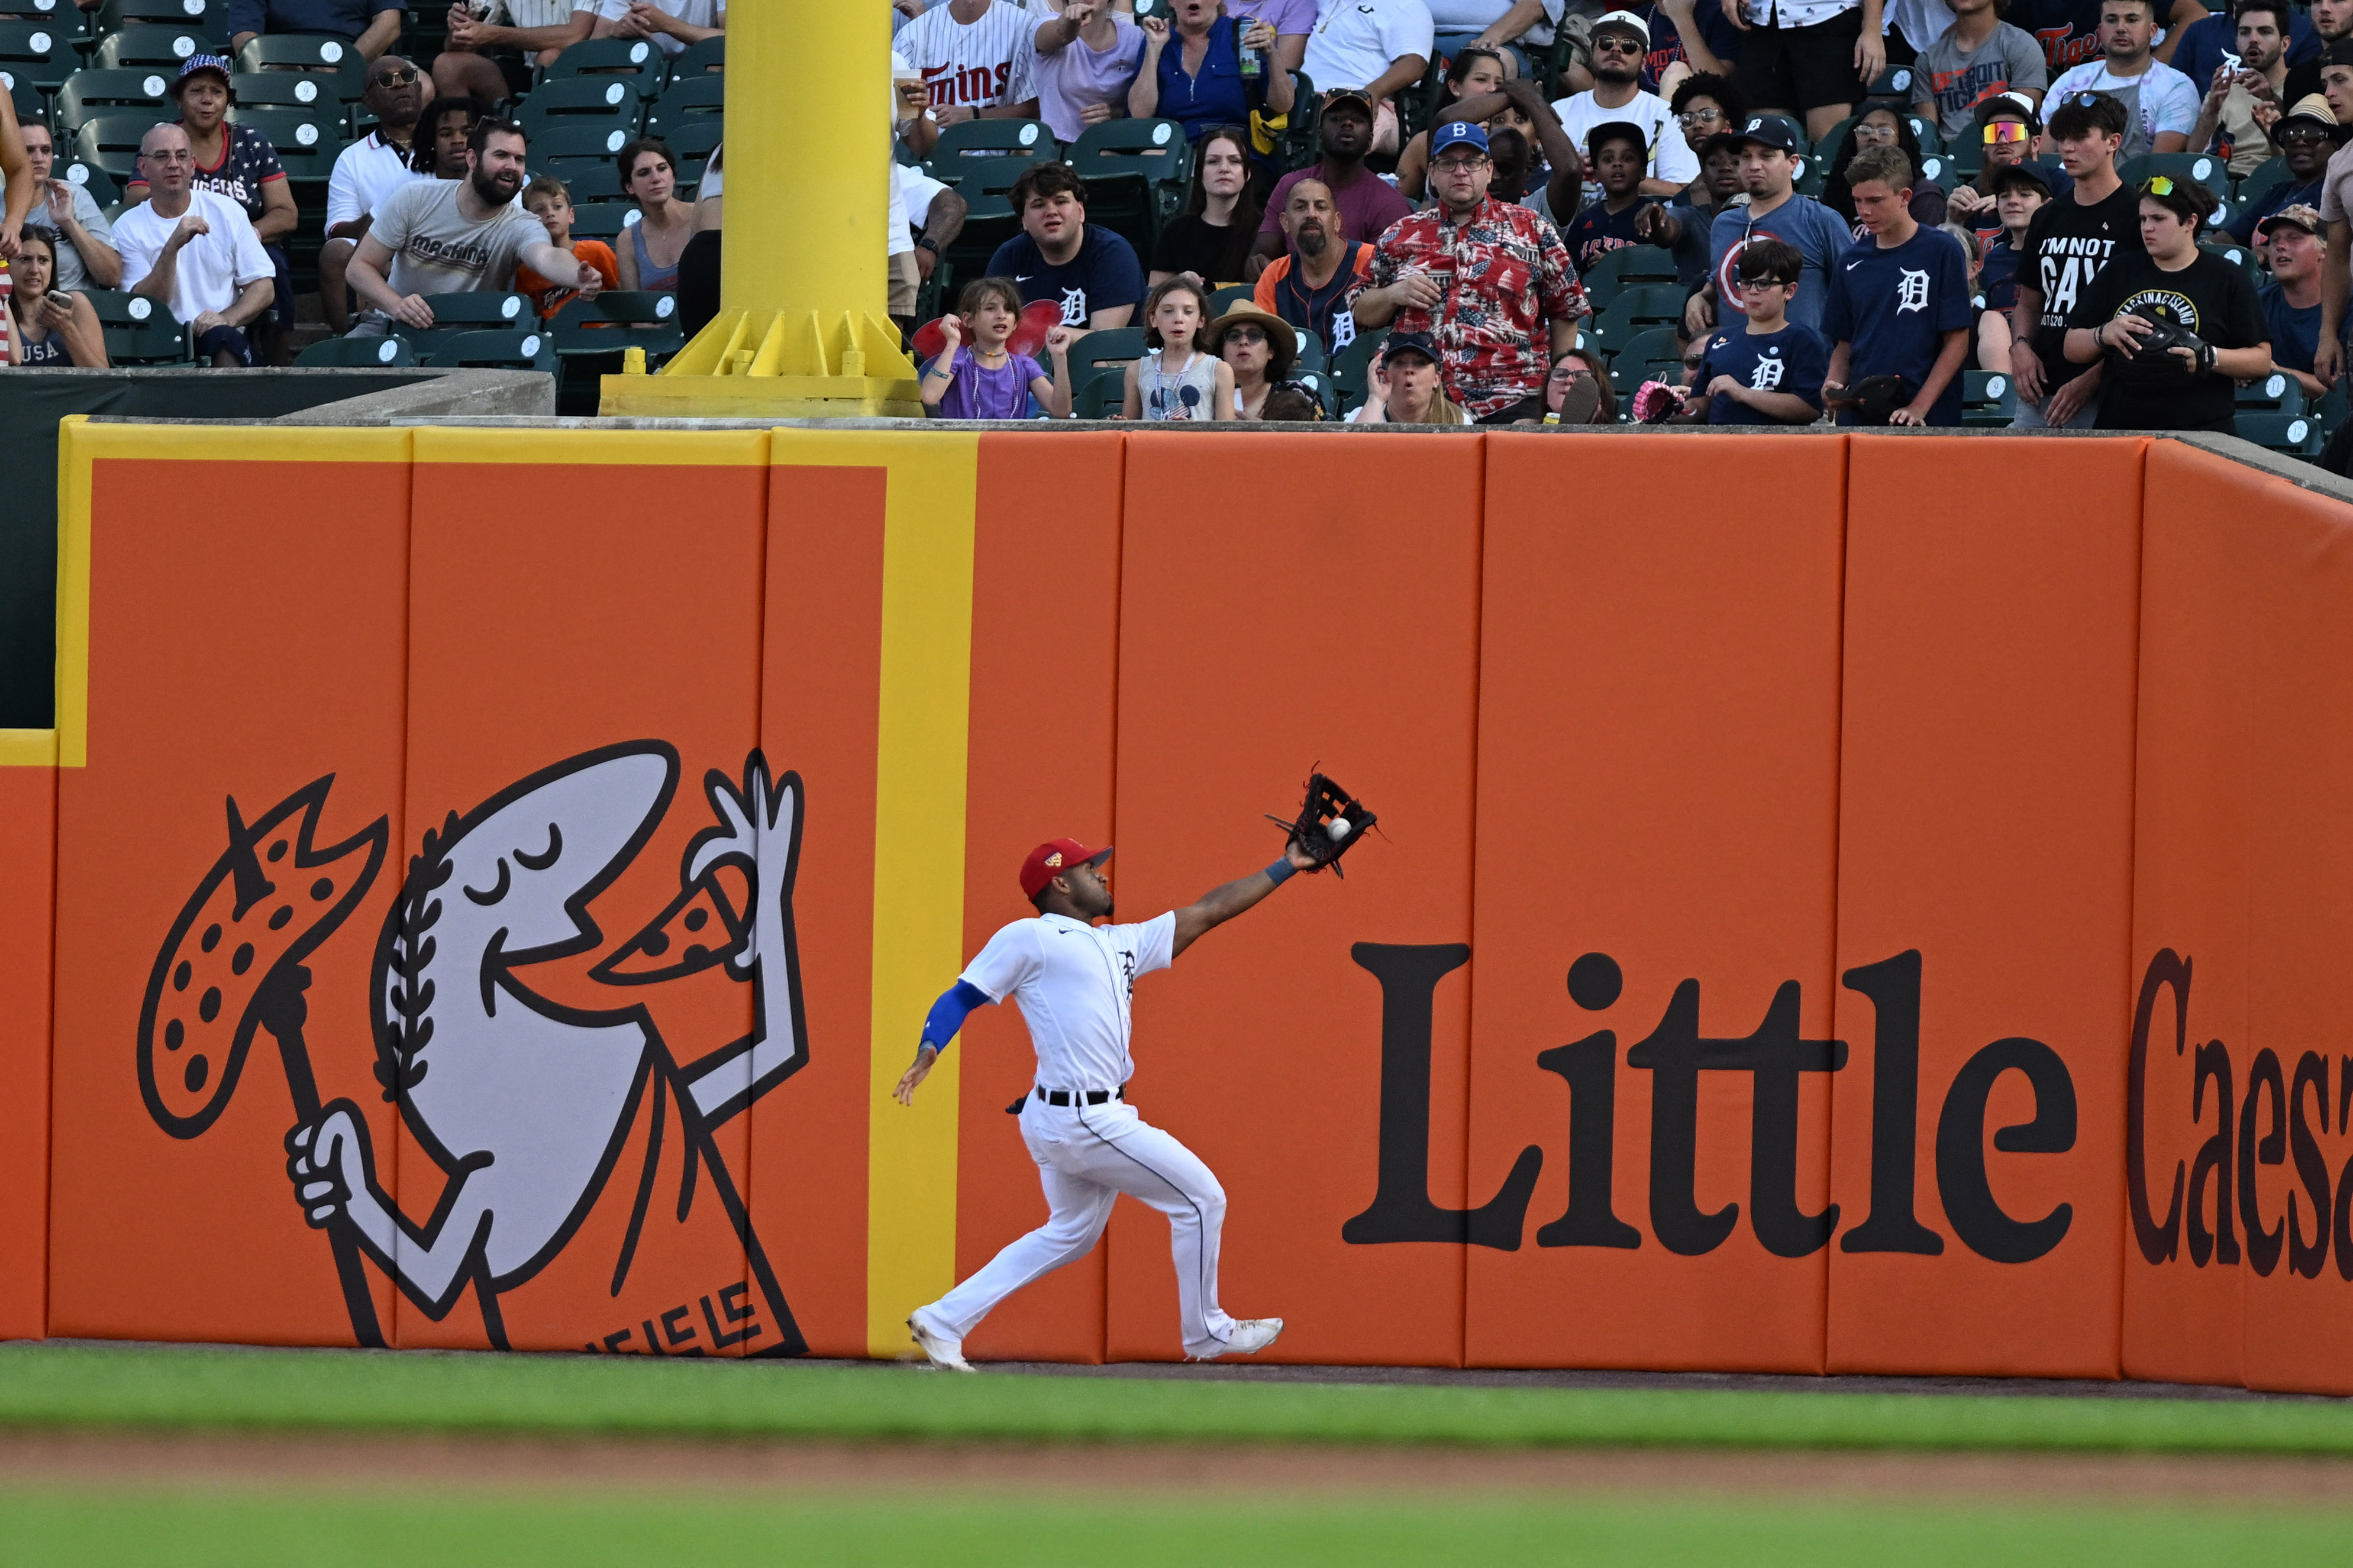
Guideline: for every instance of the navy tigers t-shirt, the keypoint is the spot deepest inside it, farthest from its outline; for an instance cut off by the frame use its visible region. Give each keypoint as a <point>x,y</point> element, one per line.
<point>1793,360</point>
<point>1894,306</point>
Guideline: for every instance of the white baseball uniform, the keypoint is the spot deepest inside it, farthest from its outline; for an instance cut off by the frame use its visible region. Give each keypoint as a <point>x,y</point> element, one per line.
<point>1074,982</point>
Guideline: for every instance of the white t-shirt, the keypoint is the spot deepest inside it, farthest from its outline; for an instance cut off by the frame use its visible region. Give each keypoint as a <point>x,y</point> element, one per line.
<point>693,13</point>
<point>366,172</point>
<point>983,64</point>
<point>212,267</point>
<point>1796,13</point>
<point>1670,156</point>
<point>2169,101</point>
<point>537,13</point>
<point>912,192</point>
<point>1074,983</point>
<point>1356,41</point>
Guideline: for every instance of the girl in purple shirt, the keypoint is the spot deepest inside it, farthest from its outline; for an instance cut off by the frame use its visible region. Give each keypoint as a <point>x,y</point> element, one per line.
<point>977,378</point>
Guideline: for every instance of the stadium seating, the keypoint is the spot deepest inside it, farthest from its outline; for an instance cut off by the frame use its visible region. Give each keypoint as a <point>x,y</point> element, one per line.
<point>206,17</point>
<point>1102,395</point>
<point>2204,168</point>
<point>592,336</point>
<point>2295,434</point>
<point>87,94</point>
<point>387,353</point>
<point>32,107</point>
<point>707,58</point>
<point>633,60</point>
<point>2277,392</point>
<point>1989,397</point>
<point>1635,311</point>
<point>313,52</point>
<point>606,103</point>
<point>1137,173</point>
<point>39,54</point>
<point>1352,367</point>
<point>607,221</point>
<point>531,350</point>
<point>109,142</point>
<point>691,98</point>
<point>1619,269</point>
<point>558,146</point>
<point>147,46</point>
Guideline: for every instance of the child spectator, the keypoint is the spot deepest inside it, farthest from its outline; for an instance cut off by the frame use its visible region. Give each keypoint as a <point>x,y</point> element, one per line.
<point>1764,368</point>
<point>546,199</point>
<point>982,379</point>
<point>1899,300</point>
<point>1179,378</point>
<point>1618,158</point>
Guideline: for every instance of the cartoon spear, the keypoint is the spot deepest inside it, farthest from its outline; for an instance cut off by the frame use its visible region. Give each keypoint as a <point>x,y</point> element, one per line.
<point>233,963</point>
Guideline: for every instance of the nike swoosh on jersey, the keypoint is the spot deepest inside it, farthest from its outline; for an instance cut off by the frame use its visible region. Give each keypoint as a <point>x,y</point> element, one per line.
<point>1023,277</point>
<point>1853,264</point>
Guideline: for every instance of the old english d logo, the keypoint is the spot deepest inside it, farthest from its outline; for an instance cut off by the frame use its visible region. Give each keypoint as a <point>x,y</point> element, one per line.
<point>537,1113</point>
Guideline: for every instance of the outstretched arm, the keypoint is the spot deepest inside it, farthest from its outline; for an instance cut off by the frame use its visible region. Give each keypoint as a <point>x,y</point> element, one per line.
<point>940,1026</point>
<point>1220,905</point>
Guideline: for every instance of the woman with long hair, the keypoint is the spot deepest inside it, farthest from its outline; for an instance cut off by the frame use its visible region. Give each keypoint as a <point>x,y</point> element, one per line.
<point>1213,237</point>
<point>1570,372</point>
<point>48,328</point>
<point>650,178</point>
<point>1882,127</point>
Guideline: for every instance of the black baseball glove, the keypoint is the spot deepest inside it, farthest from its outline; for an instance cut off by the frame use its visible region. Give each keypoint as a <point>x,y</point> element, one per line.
<point>1329,806</point>
<point>2153,366</point>
<point>1872,399</point>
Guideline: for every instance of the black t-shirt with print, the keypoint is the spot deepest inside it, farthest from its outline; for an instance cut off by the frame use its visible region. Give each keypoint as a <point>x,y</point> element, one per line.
<point>2067,245</point>
<point>2211,298</point>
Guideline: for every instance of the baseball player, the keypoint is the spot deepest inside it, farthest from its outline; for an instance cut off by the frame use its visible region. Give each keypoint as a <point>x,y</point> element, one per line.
<point>1074,980</point>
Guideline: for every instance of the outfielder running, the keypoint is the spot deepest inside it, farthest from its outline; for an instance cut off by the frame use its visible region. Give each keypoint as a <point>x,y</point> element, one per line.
<point>1074,980</point>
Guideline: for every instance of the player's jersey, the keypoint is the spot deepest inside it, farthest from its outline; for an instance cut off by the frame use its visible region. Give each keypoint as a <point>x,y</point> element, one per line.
<point>1073,983</point>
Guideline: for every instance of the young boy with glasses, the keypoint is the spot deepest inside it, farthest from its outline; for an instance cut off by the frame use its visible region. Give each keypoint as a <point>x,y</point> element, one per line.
<point>1764,368</point>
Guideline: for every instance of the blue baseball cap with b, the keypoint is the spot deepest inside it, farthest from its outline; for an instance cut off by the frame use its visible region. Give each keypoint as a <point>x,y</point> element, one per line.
<point>1456,134</point>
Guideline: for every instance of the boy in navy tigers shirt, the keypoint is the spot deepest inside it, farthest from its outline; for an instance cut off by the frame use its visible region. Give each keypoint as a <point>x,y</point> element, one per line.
<point>1764,369</point>
<point>1899,300</point>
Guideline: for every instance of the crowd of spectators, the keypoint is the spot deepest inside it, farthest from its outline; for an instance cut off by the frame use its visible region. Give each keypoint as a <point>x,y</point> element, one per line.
<point>1826,269</point>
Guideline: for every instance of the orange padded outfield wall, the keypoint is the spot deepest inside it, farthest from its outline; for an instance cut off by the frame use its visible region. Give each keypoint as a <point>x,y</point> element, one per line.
<point>484,883</point>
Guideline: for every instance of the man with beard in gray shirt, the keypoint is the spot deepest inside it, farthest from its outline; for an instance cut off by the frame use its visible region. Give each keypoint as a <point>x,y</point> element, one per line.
<point>457,237</point>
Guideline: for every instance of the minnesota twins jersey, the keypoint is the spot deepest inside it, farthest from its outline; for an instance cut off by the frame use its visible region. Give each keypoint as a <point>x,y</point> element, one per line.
<point>1074,983</point>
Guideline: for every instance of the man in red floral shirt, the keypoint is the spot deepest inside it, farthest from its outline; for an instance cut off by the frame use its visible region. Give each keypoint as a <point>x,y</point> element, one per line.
<point>1480,276</point>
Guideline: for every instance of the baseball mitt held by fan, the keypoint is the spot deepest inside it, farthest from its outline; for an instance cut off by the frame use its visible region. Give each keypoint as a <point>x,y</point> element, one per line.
<point>1655,403</point>
<point>1328,824</point>
<point>2169,357</point>
<point>1872,399</point>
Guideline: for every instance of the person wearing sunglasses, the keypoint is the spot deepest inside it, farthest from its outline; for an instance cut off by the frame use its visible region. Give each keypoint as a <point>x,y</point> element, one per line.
<point>2161,102</point>
<point>2071,240</point>
<point>1977,59</point>
<point>2306,136</point>
<point>367,172</point>
<point>1621,41</point>
<point>2171,280</point>
<point>2007,129</point>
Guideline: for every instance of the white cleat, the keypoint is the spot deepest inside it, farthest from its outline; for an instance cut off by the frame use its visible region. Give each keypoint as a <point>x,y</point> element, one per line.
<point>1251,1336</point>
<point>944,1353</point>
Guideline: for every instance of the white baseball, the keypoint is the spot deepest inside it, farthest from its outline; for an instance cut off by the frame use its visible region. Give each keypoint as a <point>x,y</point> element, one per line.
<point>1338,827</point>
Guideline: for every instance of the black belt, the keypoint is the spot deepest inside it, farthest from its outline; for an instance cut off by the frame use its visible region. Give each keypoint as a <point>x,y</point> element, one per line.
<point>1080,1096</point>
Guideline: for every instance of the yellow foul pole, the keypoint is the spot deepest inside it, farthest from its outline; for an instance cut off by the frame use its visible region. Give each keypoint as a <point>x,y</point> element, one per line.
<point>803,329</point>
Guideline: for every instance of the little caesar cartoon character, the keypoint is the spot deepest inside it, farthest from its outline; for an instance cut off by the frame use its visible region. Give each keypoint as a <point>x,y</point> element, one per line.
<point>1074,980</point>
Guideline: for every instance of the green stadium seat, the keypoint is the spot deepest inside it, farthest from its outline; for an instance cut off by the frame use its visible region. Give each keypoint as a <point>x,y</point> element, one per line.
<point>39,54</point>
<point>507,312</point>
<point>558,148</point>
<point>388,353</point>
<point>1618,270</point>
<point>1635,311</point>
<point>2295,434</point>
<point>207,18</point>
<point>1113,347</point>
<point>2266,174</point>
<point>116,308</point>
<point>1989,397</point>
<point>87,94</point>
<point>1137,173</point>
<point>988,222</point>
<point>636,61</point>
<point>32,106</point>
<point>146,46</point>
<point>1648,346</point>
<point>973,178</point>
<point>109,142</point>
<point>1325,390</point>
<point>1296,145</point>
<point>607,221</point>
<point>694,140</point>
<point>1232,294</point>
<point>160,341</point>
<point>1938,170</point>
<point>2205,168</point>
<point>580,100</point>
<point>531,350</point>
<point>103,189</point>
<point>1352,367</point>
<point>2278,393</point>
<point>706,58</point>
<point>289,89</point>
<point>1311,352</point>
<point>313,52</point>
<point>308,140</point>
<point>1932,142</point>
<point>701,96</point>
<point>1894,87</point>
<point>62,14</point>
<point>593,335</point>
<point>993,141</point>
<point>1103,396</point>
<point>592,182</point>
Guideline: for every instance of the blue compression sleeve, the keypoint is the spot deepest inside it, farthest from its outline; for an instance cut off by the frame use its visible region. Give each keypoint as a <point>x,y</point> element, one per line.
<point>948,1013</point>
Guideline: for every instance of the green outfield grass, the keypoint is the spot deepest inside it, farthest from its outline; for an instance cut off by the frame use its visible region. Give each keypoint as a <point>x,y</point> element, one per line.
<point>92,1386</point>
<point>191,1531</point>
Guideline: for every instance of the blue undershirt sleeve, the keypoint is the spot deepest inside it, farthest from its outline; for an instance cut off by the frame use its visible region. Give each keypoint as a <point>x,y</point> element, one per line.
<point>948,1013</point>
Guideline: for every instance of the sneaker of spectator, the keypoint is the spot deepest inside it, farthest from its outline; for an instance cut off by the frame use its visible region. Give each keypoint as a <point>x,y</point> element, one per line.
<point>493,44</point>
<point>1086,58</point>
<point>1380,50</point>
<point>1260,347</point>
<point>2242,102</point>
<point>84,244</point>
<point>2161,104</point>
<point>674,26</point>
<point>369,27</point>
<point>1899,300</point>
<point>1881,127</point>
<point>459,236</point>
<point>977,57</point>
<point>1367,204</point>
<point>2308,136</point>
<point>1621,41</point>
<point>1090,271</point>
<point>1500,272</point>
<point>1212,239</point>
<point>195,251</point>
<point>1616,153</point>
<point>665,222</point>
<point>1768,168</point>
<point>1810,59</point>
<point>1317,279</point>
<point>1406,387</point>
<point>366,172</point>
<point>547,199</point>
<point>975,376</point>
<point>439,149</point>
<point>1761,367</point>
<point>1178,378</point>
<point>49,326</point>
<point>1979,58</point>
<point>2295,247</point>
<point>1579,381</point>
<point>2019,192</point>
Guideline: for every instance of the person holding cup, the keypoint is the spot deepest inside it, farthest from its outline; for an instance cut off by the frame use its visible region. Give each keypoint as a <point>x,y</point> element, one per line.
<point>1216,74</point>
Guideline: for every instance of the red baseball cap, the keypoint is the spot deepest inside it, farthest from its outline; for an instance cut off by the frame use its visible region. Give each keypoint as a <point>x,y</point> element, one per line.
<point>1053,858</point>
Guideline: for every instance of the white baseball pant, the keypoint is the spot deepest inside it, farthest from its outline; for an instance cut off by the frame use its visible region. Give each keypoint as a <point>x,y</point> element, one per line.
<point>1087,1155</point>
